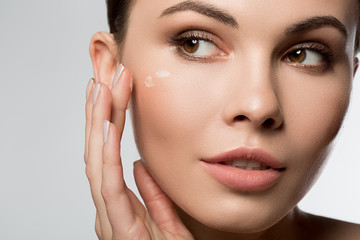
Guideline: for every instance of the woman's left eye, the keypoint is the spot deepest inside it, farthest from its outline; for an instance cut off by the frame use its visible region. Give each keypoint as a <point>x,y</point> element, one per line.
<point>305,57</point>
<point>200,48</point>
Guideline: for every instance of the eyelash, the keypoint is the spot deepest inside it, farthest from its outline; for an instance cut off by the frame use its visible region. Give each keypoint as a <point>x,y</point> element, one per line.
<point>180,39</point>
<point>314,46</point>
<point>326,53</point>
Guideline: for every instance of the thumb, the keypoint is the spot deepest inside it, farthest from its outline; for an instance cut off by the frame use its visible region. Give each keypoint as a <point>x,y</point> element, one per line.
<point>159,205</point>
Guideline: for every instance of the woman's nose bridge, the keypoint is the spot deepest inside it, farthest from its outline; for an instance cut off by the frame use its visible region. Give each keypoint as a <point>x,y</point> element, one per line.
<point>255,96</point>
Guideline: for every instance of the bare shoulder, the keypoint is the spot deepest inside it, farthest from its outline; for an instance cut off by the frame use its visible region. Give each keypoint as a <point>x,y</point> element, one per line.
<point>330,229</point>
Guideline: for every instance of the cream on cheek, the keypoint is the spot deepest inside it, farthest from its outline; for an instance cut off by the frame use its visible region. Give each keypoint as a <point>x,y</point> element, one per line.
<point>150,81</point>
<point>180,120</point>
<point>175,102</point>
<point>169,122</point>
<point>177,117</point>
<point>162,74</point>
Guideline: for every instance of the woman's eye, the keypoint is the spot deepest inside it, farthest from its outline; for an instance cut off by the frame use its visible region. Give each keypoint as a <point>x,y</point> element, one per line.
<point>305,56</point>
<point>201,48</point>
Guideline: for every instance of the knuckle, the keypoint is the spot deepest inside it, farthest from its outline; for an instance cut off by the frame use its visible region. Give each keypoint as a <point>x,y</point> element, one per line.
<point>85,157</point>
<point>106,192</point>
<point>89,173</point>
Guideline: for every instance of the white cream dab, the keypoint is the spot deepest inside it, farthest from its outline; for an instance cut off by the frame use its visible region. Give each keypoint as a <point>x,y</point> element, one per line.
<point>149,82</point>
<point>162,74</point>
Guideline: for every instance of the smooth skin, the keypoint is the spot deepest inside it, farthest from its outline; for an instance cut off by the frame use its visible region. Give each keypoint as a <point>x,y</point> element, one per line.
<point>119,214</point>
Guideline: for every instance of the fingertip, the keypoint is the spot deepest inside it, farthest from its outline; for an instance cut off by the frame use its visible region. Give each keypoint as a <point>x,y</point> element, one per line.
<point>123,79</point>
<point>96,92</point>
<point>142,176</point>
<point>139,166</point>
<point>137,162</point>
<point>118,74</point>
<point>101,93</point>
<point>89,87</point>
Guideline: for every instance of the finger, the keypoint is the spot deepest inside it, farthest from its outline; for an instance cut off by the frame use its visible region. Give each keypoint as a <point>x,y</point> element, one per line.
<point>138,207</point>
<point>88,114</point>
<point>119,206</point>
<point>121,92</point>
<point>101,111</point>
<point>157,202</point>
<point>97,226</point>
<point>101,100</point>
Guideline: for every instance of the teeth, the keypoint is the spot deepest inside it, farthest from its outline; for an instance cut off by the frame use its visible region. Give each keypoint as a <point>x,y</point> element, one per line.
<point>239,163</point>
<point>254,164</point>
<point>246,164</point>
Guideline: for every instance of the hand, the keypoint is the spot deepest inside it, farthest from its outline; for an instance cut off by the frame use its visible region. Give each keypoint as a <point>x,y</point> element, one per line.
<point>119,213</point>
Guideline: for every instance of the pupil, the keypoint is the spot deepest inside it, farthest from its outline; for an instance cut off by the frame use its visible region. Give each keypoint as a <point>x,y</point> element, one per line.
<point>191,45</point>
<point>297,56</point>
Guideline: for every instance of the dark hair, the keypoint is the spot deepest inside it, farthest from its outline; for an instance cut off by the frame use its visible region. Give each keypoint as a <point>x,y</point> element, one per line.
<point>118,12</point>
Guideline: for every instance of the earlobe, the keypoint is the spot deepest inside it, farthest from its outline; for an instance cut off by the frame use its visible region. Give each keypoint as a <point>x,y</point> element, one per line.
<point>103,52</point>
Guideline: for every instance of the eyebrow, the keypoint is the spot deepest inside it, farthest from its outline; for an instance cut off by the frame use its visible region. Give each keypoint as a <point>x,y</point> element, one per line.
<point>225,18</point>
<point>204,9</point>
<point>315,23</point>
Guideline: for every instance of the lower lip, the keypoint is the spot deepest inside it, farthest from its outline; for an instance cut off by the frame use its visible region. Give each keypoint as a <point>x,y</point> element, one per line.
<point>241,179</point>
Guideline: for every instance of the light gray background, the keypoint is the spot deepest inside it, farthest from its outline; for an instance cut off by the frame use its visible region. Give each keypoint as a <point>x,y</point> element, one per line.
<point>44,69</point>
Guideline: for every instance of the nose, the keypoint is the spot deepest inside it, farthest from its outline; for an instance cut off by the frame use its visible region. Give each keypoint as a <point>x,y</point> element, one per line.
<point>254,101</point>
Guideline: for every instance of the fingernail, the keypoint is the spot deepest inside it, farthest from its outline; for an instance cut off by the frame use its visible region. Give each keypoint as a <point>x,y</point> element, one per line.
<point>106,130</point>
<point>117,75</point>
<point>89,86</point>
<point>95,92</point>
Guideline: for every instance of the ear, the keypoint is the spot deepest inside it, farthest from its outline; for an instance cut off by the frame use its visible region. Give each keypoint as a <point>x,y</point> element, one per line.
<point>356,65</point>
<point>103,52</point>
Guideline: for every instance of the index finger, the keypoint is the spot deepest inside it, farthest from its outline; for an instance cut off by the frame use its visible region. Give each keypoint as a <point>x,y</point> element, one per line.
<point>121,91</point>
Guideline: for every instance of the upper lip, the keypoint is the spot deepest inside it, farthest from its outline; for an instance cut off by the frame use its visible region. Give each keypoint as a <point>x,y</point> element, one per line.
<point>254,154</point>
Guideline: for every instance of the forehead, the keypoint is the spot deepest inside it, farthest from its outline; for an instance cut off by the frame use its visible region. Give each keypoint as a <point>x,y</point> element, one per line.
<point>258,12</point>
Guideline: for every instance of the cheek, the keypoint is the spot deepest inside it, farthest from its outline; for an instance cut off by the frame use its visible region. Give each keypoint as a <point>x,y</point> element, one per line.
<point>171,103</point>
<point>314,112</point>
<point>175,107</point>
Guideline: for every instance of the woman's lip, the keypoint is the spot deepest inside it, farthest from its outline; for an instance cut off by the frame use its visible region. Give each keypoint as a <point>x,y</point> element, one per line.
<point>254,154</point>
<point>243,180</point>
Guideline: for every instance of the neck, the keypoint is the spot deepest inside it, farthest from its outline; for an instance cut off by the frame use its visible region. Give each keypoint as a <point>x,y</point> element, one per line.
<point>289,228</point>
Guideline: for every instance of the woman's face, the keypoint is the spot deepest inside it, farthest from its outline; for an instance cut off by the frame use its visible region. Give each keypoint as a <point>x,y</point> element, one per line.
<point>268,81</point>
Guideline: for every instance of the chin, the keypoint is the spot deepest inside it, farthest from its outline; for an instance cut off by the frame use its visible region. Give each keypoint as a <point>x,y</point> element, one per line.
<point>245,225</point>
<point>242,216</point>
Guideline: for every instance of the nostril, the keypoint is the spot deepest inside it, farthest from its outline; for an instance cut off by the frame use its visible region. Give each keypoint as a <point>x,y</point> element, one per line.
<point>268,123</point>
<point>240,117</point>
